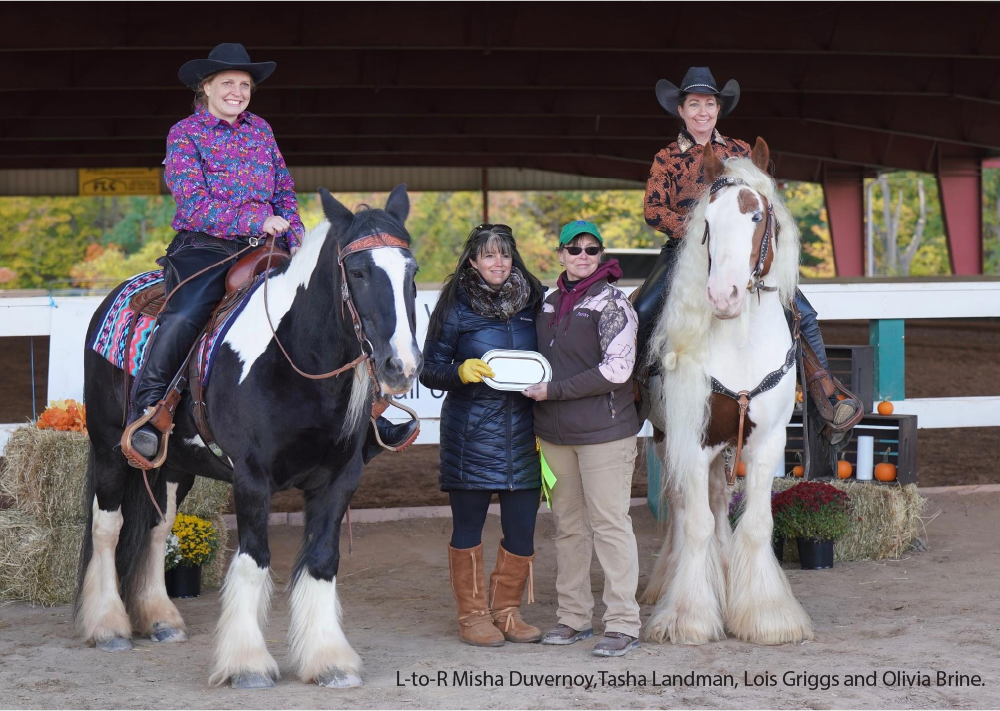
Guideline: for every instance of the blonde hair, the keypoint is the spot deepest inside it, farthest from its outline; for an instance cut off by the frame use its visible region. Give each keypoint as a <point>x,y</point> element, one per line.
<point>681,336</point>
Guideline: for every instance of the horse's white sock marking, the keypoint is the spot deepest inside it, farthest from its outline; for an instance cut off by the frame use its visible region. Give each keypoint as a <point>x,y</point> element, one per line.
<point>393,262</point>
<point>249,335</point>
<point>102,613</point>
<point>315,637</point>
<point>153,605</point>
<point>239,639</point>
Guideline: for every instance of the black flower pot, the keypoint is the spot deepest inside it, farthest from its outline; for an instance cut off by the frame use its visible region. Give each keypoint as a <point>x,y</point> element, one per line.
<point>778,544</point>
<point>183,581</point>
<point>815,553</point>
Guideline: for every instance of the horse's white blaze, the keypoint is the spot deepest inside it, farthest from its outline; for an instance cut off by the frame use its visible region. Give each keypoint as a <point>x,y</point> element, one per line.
<point>731,247</point>
<point>316,640</point>
<point>249,335</point>
<point>393,262</point>
<point>102,614</point>
<point>239,638</point>
<point>153,606</point>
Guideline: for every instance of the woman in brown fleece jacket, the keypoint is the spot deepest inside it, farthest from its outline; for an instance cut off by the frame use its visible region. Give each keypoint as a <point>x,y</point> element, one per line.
<point>587,424</point>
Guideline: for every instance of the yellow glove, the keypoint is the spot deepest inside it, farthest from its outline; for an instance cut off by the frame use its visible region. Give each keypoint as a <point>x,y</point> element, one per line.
<point>474,370</point>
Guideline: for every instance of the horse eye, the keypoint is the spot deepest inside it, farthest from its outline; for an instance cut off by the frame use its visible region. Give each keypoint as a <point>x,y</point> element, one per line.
<point>357,274</point>
<point>757,217</point>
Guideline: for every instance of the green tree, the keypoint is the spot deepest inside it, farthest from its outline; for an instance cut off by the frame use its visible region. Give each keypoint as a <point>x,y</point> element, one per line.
<point>991,221</point>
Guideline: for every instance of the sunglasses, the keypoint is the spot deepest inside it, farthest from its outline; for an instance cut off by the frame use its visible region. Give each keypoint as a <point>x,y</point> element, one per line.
<point>497,227</point>
<point>592,251</point>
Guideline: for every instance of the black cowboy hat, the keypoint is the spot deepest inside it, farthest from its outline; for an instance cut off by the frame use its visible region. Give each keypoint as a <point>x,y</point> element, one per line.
<point>226,56</point>
<point>698,80</point>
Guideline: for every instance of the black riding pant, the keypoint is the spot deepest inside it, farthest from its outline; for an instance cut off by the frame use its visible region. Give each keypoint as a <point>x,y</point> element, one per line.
<point>652,295</point>
<point>187,310</point>
<point>518,510</point>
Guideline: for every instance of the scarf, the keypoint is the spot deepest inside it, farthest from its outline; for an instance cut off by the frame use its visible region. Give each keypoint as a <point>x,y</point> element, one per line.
<point>511,297</point>
<point>568,296</point>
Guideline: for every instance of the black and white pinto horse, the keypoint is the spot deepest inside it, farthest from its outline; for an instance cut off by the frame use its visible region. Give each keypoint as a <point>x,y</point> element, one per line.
<point>280,430</point>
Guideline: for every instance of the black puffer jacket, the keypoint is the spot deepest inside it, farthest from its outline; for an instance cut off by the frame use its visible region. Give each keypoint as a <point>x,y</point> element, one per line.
<point>487,435</point>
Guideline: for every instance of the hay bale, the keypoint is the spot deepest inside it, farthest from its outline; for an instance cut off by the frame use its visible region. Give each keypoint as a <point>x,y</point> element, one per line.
<point>890,520</point>
<point>214,573</point>
<point>37,563</point>
<point>207,498</point>
<point>45,474</point>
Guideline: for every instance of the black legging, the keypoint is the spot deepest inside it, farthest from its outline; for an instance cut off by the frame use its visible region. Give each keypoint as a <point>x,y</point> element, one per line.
<point>517,518</point>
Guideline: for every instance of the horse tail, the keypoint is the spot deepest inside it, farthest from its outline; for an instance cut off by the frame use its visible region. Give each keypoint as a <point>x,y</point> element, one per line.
<point>87,546</point>
<point>139,519</point>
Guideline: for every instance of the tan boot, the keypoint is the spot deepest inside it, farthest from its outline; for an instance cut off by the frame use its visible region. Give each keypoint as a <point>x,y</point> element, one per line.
<point>475,625</point>
<point>839,416</point>
<point>506,591</point>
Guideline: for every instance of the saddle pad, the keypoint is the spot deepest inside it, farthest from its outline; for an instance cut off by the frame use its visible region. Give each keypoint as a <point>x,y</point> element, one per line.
<point>109,341</point>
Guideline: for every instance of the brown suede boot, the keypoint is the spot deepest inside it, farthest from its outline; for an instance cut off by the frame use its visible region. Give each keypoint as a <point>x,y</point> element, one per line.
<point>839,416</point>
<point>506,591</point>
<point>475,625</point>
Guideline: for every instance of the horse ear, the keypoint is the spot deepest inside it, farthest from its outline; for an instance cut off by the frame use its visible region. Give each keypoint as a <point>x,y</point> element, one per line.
<point>712,165</point>
<point>761,154</point>
<point>398,204</point>
<point>338,215</point>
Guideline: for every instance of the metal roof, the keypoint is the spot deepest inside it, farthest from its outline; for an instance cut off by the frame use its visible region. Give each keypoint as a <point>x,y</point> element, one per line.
<point>832,86</point>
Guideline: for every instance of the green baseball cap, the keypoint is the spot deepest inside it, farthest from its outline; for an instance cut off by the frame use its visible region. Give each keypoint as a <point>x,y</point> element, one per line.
<point>579,227</point>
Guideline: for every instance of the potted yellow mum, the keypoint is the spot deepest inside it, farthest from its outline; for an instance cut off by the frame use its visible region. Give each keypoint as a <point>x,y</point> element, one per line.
<point>192,543</point>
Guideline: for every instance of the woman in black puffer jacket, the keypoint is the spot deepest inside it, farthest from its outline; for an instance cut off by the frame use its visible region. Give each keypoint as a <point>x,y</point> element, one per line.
<point>487,435</point>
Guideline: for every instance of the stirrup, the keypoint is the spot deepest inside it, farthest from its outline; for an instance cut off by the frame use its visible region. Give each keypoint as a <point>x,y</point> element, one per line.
<point>406,442</point>
<point>159,411</point>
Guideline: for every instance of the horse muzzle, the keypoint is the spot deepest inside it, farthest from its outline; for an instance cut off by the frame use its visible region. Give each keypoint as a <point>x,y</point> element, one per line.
<point>396,375</point>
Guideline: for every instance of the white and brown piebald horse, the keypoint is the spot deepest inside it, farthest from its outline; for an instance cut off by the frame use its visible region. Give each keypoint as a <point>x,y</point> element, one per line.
<point>723,344</point>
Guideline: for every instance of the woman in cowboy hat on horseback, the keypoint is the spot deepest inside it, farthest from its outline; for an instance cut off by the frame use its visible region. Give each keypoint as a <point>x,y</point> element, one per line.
<point>232,187</point>
<point>676,182</point>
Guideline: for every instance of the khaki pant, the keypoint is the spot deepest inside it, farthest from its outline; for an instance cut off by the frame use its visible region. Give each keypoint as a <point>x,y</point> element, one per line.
<point>590,505</point>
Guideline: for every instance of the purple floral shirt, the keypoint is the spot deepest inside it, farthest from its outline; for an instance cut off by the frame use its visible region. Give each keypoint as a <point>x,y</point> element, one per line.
<point>227,179</point>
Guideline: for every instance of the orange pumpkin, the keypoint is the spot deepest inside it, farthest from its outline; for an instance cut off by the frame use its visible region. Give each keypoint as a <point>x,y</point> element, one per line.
<point>885,408</point>
<point>884,471</point>
<point>741,470</point>
<point>844,468</point>
<point>841,396</point>
<point>798,470</point>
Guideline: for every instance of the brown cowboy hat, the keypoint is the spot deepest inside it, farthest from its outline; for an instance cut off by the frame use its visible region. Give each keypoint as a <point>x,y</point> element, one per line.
<point>698,80</point>
<point>226,56</point>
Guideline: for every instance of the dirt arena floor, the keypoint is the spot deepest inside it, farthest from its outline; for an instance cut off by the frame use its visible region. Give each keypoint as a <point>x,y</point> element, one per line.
<point>927,613</point>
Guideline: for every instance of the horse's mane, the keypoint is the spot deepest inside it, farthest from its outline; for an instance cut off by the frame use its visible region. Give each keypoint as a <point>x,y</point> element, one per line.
<point>681,336</point>
<point>367,220</point>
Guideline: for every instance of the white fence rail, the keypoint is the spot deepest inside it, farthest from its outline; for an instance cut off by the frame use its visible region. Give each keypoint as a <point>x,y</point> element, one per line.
<point>65,319</point>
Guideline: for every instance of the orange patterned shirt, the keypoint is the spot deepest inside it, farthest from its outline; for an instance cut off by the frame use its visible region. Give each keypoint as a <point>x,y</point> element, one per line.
<point>676,179</point>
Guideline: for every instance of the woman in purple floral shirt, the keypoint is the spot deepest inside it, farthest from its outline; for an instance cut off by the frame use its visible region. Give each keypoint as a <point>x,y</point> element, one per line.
<point>231,185</point>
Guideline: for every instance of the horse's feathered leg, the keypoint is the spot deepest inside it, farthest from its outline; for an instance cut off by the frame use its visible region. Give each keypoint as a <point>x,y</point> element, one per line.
<point>241,655</point>
<point>153,613</point>
<point>666,562</point>
<point>319,648</point>
<point>762,608</point>
<point>718,492</point>
<point>690,611</point>
<point>100,613</point>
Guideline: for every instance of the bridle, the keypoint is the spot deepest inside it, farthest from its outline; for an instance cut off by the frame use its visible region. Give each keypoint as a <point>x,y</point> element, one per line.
<point>756,283</point>
<point>368,243</point>
<point>754,286</point>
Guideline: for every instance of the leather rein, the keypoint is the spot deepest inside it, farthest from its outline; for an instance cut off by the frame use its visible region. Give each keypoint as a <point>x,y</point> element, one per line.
<point>754,286</point>
<point>367,243</point>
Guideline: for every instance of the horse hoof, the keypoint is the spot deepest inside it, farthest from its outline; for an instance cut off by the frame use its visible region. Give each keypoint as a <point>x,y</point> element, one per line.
<point>338,679</point>
<point>168,634</point>
<point>115,644</point>
<point>251,680</point>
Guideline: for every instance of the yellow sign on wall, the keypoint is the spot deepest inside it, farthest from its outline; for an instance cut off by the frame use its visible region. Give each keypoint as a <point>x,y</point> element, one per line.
<point>110,182</point>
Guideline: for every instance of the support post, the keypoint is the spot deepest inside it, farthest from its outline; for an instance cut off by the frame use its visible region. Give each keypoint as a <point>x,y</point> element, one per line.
<point>887,337</point>
<point>486,195</point>
<point>844,196</point>
<point>960,184</point>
